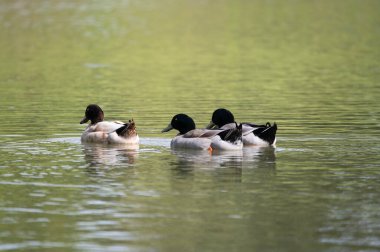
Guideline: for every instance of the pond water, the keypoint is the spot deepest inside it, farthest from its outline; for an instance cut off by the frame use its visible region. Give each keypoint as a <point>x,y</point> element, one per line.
<point>310,66</point>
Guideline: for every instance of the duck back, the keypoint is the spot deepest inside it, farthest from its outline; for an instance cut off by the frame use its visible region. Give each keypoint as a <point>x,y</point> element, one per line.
<point>199,143</point>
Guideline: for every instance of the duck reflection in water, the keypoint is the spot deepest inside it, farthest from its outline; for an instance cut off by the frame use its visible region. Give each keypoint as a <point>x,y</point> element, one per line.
<point>250,157</point>
<point>260,157</point>
<point>100,154</point>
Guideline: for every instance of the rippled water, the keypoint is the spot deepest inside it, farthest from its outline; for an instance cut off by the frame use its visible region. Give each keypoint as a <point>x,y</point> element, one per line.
<point>310,66</point>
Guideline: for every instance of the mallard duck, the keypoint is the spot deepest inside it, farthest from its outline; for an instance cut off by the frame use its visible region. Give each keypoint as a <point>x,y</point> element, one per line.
<point>99,131</point>
<point>253,134</point>
<point>191,138</point>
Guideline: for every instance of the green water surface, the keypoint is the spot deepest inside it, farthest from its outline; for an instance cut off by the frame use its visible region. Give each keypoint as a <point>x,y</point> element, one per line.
<point>313,67</point>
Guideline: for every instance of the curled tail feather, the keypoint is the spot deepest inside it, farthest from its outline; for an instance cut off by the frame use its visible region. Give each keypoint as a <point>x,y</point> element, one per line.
<point>128,129</point>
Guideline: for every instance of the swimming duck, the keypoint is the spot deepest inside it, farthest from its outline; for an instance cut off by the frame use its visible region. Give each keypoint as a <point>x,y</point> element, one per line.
<point>253,134</point>
<point>99,131</point>
<point>191,138</point>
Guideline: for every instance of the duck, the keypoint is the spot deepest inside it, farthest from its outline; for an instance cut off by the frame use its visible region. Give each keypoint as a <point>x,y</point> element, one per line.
<point>203,139</point>
<point>100,131</point>
<point>253,134</point>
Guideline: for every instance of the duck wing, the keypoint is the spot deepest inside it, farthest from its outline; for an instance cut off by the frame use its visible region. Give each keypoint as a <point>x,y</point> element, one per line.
<point>246,128</point>
<point>205,133</point>
<point>106,126</point>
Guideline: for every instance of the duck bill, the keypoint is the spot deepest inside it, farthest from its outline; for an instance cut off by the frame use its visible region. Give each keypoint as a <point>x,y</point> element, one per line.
<point>170,127</point>
<point>210,125</point>
<point>84,120</point>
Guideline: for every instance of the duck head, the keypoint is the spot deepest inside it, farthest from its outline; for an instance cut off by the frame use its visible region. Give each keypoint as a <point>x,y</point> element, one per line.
<point>93,113</point>
<point>221,117</point>
<point>181,122</point>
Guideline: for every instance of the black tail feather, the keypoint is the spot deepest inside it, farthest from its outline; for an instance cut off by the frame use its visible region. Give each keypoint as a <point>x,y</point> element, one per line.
<point>266,132</point>
<point>232,135</point>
